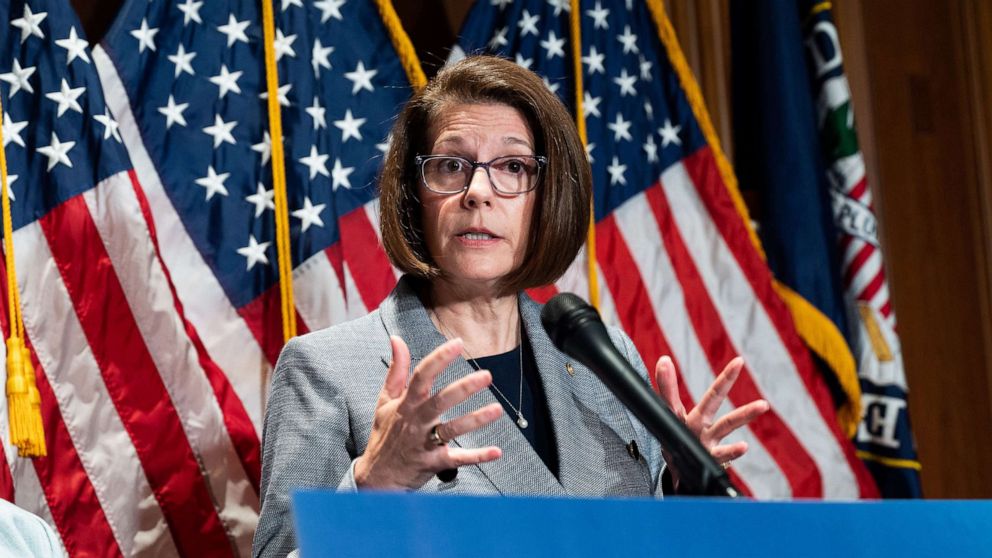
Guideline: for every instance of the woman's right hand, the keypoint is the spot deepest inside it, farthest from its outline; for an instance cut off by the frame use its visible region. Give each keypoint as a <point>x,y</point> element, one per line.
<point>401,452</point>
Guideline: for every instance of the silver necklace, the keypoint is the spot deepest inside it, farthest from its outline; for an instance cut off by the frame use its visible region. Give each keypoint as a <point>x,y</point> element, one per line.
<point>521,421</point>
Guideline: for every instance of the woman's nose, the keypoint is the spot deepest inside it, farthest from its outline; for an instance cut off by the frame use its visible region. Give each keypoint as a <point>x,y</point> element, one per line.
<point>480,189</point>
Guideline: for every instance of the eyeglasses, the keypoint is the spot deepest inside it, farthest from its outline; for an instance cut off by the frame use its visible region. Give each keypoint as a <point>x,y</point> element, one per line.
<point>509,175</point>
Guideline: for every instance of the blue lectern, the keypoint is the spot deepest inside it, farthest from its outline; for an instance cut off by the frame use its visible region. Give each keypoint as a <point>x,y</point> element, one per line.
<point>396,525</point>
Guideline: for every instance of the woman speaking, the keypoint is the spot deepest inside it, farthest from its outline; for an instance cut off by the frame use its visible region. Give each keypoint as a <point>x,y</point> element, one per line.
<point>452,386</point>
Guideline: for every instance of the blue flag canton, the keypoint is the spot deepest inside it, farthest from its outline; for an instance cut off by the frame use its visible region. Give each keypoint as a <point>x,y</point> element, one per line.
<point>194,72</point>
<point>59,138</point>
<point>638,120</point>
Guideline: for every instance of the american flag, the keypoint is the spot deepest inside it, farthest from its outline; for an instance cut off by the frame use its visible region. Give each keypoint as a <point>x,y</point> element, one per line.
<point>146,259</point>
<point>675,256</point>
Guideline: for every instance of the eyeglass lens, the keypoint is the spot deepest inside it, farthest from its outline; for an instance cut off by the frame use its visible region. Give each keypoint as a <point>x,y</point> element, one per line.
<point>511,174</point>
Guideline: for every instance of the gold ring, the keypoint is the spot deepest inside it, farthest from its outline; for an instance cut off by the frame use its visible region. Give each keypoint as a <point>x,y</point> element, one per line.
<point>435,437</point>
<point>725,465</point>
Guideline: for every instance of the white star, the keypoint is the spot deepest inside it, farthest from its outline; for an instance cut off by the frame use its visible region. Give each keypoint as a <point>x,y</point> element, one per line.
<point>589,149</point>
<point>309,214</point>
<point>349,126</point>
<point>669,134</point>
<point>17,77</point>
<point>552,87</point>
<point>12,130</point>
<point>621,128</point>
<point>235,30</point>
<point>339,175</point>
<point>590,105</point>
<point>283,45</point>
<point>616,171</point>
<point>174,113</point>
<point>560,5</point>
<point>145,36</point>
<point>213,182</point>
<point>227,81</point>
<point>384,146</point>
<point>524,62</point>
<point>182,61</point>
<point>361,78</point>
<point>320,57</point>
<point>74,47</point>
<point>255,252</point>
<point>499,38</point>
<point>316,162</point>
<point>287,3</point>
<point>501,3</point>
<point>317,113</point>
<point>264,147</point>
<point>282,94</point>
<point>109,125</point>
<point>646,69</point>
<point>649,110</point>
<point>29,22</point>
<point>221,131</point>
<point>528,23</point>
<point>57,152</point>
<point>626,83</point>
<point>595,61</point>
<point>599,16</point>
<point>553,45</point>
<point>66,97</point>
<point>11,178</point>
<point>262,199</point>
<point>629,40</point>
<point>191,11</point>
<point>329,9</point>
<point>651,148</point>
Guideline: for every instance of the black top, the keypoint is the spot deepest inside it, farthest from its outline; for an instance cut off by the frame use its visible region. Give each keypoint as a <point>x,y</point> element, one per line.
<point>505,369</point>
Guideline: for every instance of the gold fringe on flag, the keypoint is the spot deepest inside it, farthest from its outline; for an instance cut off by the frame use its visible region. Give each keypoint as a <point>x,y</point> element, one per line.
<point>401,42</point>
<point>278,159</point>
<point>818,332</point>
<point>23,399</point>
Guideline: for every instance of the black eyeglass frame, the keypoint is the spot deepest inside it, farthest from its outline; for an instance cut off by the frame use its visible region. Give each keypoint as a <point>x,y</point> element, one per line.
<point>421,160</point>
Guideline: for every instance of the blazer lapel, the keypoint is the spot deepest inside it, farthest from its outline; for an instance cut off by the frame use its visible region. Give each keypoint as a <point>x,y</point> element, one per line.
<point>574,414</point>
<point>520,470</point>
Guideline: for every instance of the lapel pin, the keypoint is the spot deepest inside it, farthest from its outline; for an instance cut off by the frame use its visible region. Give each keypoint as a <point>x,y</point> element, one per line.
<point>633,451</point>
<point>569,369</point>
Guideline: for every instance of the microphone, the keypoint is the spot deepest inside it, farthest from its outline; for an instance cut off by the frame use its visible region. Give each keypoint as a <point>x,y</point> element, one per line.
<point>577,330</point>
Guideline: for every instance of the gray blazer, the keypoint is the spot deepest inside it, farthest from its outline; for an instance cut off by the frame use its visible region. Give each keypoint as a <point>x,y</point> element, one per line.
<point>325,388</point>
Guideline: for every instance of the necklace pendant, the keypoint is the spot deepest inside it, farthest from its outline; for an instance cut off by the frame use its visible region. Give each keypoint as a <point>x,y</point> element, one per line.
<point>521,421</point>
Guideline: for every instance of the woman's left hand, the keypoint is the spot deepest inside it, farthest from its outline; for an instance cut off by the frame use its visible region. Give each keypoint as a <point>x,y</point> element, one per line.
<point>702,420</point>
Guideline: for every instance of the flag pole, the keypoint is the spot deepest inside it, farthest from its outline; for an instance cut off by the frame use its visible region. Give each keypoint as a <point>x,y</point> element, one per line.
<point>575,20</point>
<point>285,256</point>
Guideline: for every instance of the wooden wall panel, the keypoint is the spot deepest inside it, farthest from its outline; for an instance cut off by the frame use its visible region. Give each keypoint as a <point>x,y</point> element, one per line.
<point>928,179</point>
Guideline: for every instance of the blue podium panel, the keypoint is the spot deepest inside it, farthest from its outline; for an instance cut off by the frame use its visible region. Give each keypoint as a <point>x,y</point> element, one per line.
<point>390,524</point>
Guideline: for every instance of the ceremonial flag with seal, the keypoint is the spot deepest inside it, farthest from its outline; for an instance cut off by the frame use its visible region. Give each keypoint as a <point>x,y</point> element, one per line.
<point>797,149</point>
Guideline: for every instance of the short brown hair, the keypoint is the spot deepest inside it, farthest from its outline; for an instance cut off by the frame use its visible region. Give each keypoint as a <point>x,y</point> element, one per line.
<point>561,214</point>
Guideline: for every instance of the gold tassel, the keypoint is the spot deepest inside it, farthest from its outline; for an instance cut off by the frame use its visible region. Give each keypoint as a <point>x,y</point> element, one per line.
<point>23,401</point>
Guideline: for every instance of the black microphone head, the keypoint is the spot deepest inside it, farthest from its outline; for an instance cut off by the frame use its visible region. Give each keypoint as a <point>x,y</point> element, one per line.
<point>563,313</point>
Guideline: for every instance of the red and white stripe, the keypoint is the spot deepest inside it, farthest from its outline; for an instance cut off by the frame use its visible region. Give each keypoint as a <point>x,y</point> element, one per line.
<point>141,457</point>
<point>679,273</point>
<point>862,265</point>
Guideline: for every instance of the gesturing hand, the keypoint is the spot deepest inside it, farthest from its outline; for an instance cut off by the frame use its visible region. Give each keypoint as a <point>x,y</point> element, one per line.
<point>403,451</point>
<point>702,420</point>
